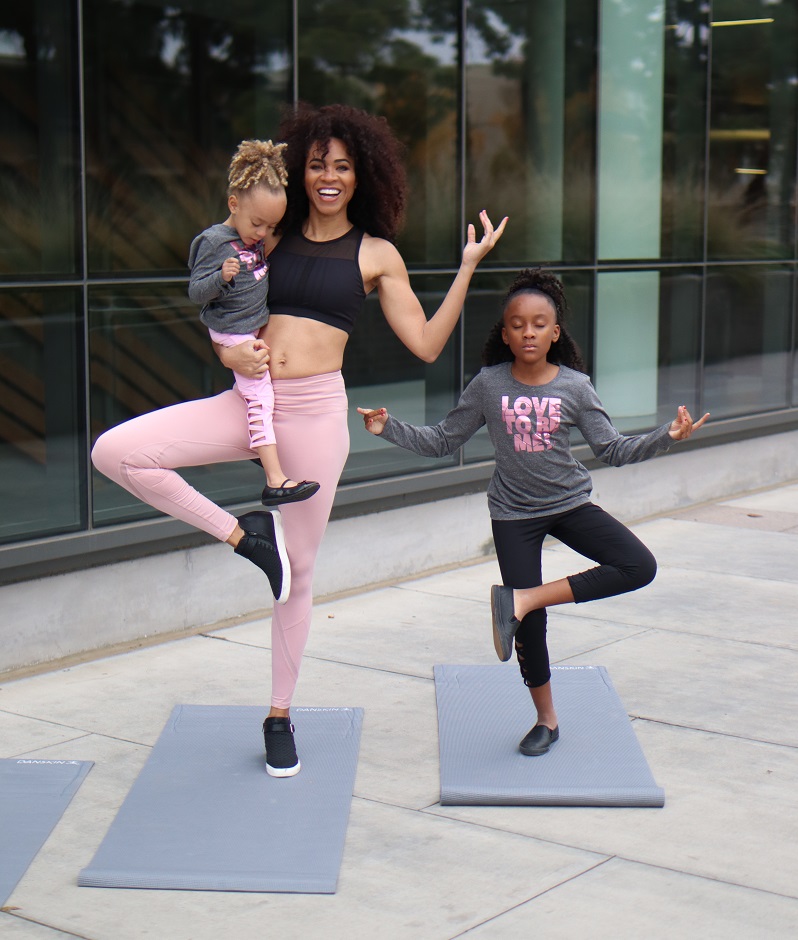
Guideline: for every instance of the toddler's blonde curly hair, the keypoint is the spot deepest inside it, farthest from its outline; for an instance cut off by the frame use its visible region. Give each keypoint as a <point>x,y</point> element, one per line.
<point>257,163</point>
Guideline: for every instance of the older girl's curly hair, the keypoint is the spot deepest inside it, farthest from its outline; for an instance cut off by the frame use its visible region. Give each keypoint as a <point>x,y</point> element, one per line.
<point>379,201</point>
<point>536,281</point>
<point>257,163</point>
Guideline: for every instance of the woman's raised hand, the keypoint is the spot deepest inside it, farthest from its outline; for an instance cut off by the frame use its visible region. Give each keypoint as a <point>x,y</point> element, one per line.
<point>683,425</point>
<point>474,250</point>
<point>374,419</point>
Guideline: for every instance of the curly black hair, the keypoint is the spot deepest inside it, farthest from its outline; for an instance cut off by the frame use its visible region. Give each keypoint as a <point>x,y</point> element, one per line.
<point>562,352</point>
<point>379,201</point>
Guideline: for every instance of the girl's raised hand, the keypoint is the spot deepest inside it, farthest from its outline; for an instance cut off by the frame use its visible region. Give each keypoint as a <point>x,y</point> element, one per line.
<point>375,420</point>
<point>683,425</point>
<point>474,250</point>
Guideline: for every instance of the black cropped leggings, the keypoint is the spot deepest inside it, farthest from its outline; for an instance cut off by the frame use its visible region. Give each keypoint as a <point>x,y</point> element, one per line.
<point>624,564</point>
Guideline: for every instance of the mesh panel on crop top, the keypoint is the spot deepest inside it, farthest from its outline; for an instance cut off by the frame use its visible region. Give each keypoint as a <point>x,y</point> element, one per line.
<point>317,280</point>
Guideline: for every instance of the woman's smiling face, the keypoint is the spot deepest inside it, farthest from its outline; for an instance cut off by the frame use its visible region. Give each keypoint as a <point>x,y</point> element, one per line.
<point>330,180</point>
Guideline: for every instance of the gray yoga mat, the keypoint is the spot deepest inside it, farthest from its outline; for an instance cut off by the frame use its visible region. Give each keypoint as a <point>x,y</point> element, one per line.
<point>204,815</point>
<point>33,797</point>
<point>484,711</point>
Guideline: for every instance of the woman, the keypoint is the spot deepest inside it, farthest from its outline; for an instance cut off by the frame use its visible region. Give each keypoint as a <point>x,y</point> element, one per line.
<point>346,199</point>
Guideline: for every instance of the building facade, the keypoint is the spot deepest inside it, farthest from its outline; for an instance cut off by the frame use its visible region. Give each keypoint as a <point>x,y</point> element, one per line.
<point>647,151</point>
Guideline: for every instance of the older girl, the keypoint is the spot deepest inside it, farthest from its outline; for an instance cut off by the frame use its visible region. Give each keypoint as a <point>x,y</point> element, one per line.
<point>531,393</point>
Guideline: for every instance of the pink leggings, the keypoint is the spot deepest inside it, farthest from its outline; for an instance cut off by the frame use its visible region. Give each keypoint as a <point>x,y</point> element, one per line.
<point>313,441</point>
<point>258,393</point>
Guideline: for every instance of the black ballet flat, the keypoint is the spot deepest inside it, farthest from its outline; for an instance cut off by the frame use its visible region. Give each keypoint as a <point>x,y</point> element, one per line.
<point>538,740</point>
<point>278,495</point>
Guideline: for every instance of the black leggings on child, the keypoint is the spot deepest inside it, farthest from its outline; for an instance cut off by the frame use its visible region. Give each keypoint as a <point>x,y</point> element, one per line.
<point>624,564</point>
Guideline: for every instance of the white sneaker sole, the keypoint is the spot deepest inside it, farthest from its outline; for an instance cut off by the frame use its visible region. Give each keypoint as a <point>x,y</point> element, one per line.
<point>279,543</point>
<point>283,771</point>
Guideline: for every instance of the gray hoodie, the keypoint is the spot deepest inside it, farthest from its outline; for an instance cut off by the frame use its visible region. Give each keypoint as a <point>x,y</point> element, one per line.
<point>240,305</point>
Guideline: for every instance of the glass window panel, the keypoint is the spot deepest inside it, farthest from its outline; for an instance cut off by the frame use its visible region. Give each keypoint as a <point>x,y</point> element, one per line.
<point>147,350</point>
<point>630,129</point>
<point>39,166</point>
<point>42,437</point>
<point>679,342</point>
<point>530,113</point>
<point>747,339</point>
<point>483,309</point>
<point>684,129</point>
<point>171,89</point>
<point>381,372</point>
<point>752,135</point>
<point>627,329</point>
<point>397,59</point>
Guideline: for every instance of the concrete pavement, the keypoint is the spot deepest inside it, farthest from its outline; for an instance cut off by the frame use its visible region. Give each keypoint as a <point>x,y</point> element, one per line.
<point>705,660</point>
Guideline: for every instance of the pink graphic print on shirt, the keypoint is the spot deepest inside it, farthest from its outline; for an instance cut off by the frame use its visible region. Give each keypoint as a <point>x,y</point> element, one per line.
<point>252,259</point>
<point>531,421</point>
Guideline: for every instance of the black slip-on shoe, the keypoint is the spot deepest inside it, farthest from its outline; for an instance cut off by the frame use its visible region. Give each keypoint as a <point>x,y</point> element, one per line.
<point>538,740</point>
<point>505,623</point>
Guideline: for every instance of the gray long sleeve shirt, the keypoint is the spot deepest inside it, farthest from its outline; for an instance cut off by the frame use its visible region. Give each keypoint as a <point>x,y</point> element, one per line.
<point>529,426</point>
<point>237,306</point>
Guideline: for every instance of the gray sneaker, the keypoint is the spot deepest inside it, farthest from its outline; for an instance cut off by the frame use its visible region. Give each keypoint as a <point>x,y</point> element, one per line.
<point>505,623</point>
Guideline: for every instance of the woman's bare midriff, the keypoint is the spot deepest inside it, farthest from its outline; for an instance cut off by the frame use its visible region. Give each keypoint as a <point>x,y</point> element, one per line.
<point>300,347</point>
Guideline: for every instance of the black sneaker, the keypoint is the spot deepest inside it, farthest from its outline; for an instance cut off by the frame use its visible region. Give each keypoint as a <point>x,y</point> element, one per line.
<point>263,544</point>
<point>281,759</point>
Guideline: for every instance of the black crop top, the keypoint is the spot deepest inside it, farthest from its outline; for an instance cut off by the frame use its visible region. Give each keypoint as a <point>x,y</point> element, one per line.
<point>318,280</point>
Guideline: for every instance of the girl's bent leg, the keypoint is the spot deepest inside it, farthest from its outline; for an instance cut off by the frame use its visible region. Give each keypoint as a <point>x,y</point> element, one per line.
<point>624,562</point>
<point>141,455</point>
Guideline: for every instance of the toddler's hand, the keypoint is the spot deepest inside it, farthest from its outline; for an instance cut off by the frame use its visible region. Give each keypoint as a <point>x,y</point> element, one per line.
<point>230,268</point>
<point>375,420</point>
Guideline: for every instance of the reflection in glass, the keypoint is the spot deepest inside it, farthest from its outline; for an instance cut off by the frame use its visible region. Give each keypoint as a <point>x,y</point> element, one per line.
<point>751,211</point>
<point>147,350</point>
<point>684,129</point>
<point>530,100</point>
<point>381,372</point>
<point>39,167</point>
<point>630,129</point>
<point>170,92</point>
<point>748,336</point>
<point>398,60</point>
<point>679,343</point>
<point>41,406</point>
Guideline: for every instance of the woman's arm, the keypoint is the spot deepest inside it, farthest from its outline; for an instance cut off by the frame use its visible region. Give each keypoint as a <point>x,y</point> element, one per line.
<point>405,315</point>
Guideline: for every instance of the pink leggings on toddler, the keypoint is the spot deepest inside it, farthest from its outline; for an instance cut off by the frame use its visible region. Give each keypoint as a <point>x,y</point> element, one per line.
<point>258,393</point>
<point>141,455</point>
